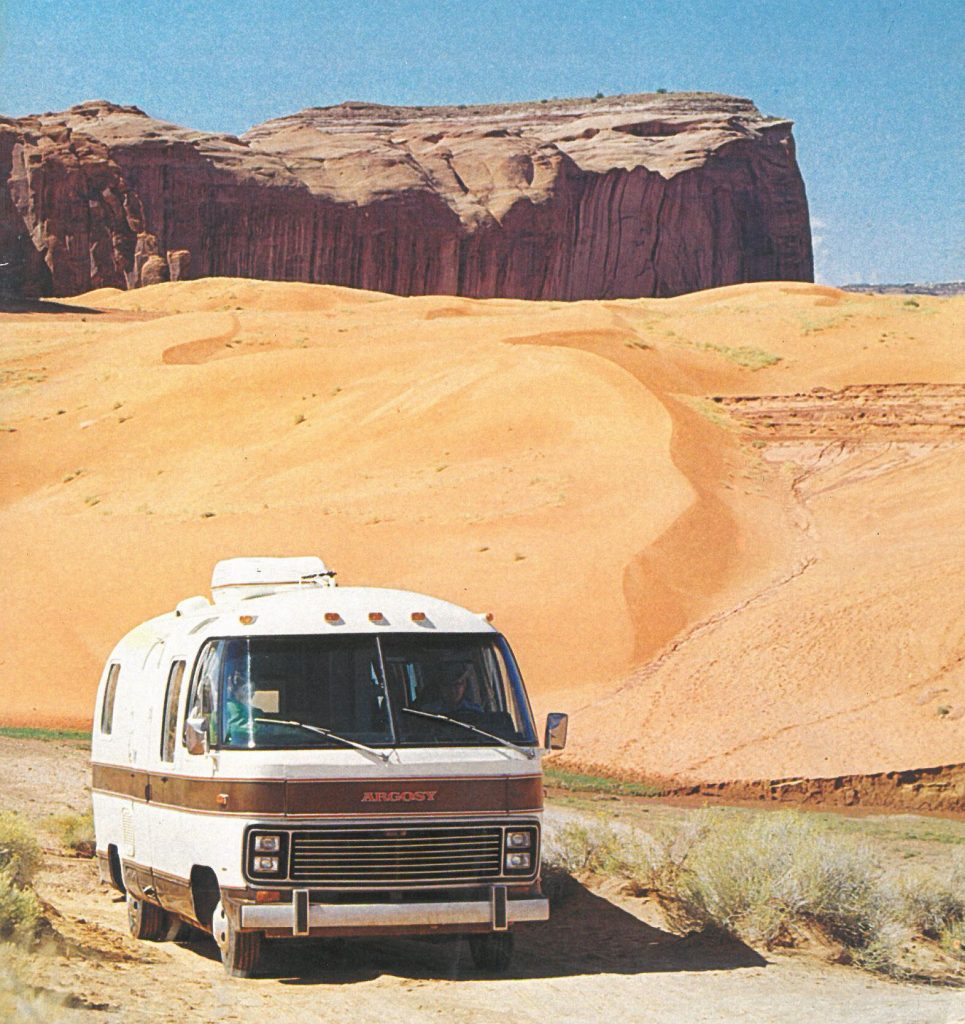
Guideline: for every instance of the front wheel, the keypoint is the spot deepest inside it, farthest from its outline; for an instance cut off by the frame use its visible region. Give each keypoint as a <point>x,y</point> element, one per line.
<point>492,951</point>
<point>146,920</point>
<point>240,951</point>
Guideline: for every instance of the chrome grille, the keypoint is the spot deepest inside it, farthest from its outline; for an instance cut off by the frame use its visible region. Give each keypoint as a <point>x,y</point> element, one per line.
<point>394,857</point>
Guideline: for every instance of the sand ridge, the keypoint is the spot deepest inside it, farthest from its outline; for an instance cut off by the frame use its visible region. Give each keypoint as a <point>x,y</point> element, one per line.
<point>711,595</point>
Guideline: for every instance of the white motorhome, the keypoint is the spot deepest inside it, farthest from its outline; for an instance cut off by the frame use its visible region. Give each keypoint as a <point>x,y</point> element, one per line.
<point>300,759</point>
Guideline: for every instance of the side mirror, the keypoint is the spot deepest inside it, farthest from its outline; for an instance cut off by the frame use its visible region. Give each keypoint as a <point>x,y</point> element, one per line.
<point>556,724</point>
<point>196,735</point>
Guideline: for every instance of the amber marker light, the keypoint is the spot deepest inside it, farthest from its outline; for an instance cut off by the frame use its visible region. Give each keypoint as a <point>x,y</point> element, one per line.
<point>419,617</point>
<point>246,620</point>
<point>267,896</point>
<point>333,618</point>
<point>376,617</point>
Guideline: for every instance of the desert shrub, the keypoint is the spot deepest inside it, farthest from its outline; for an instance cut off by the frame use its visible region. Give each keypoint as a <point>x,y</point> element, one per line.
<point>75,831</point>
<point>952,939</point>
<point>20,858</point>
<point>594,847</point>
<point>19,911</point>
<point>931,904</point>
<point>882,953</point>
<point>20,855</point>
<point>758,878</point>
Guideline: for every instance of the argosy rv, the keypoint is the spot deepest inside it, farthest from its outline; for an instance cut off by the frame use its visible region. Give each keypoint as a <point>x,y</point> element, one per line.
<point>301,759</point>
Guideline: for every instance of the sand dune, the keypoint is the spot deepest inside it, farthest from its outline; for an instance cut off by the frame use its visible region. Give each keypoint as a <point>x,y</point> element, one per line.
<point>713,595</point>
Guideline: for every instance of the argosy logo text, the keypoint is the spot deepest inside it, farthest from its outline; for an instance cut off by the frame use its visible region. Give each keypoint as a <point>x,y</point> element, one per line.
<point>381,796</point>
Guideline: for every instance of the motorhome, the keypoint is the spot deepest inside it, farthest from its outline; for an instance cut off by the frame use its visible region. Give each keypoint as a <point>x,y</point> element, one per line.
<point>297,759</point>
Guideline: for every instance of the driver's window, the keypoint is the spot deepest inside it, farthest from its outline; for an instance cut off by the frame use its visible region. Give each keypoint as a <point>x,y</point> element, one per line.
<point>203,701</point>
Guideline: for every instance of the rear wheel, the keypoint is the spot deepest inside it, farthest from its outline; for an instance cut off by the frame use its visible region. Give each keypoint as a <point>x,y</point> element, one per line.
<point>146,920</point>
<point>240,951</point>
<point>492,951</point>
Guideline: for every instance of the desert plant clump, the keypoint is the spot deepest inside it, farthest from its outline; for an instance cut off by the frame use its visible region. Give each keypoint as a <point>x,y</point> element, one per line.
<point>20,855</point>
<point>19,911</point>
<point>742,355</point>
<point>75,831</point>
<point>770,880</point>
<point>591,847</point>
<point>952,940</point>
<point>20,858</point>
<point>760,879</point>
<point>931,904</point>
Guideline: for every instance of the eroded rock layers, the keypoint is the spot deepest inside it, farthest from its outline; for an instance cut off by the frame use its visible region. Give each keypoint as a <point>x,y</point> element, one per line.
<point>650,195</point>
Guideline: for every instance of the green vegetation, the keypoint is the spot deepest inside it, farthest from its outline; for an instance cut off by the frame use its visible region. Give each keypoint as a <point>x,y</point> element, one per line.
<point>582,782</point>
<point>743,355</point>
<point>30,733</point>
<point>20,855</point>
<point>75,831</point>
<point>709,409</point>
<point>773,879</point>
<point>20,859</point>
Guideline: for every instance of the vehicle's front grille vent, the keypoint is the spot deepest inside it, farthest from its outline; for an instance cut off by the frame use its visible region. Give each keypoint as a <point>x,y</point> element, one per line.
<point>396,857</point>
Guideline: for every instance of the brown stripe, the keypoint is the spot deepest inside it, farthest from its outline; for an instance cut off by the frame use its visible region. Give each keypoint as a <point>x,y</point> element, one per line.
<point>328,796</point>
<point>254,796</point>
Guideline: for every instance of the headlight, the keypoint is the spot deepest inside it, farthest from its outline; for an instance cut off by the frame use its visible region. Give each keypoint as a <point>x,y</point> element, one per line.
<point>267,864</point>
<point>517,861</point>
<point>267,844</point>
<point>519,840</point>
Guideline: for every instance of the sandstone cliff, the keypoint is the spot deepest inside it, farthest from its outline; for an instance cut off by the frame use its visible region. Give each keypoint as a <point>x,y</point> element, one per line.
<point>650,195</point>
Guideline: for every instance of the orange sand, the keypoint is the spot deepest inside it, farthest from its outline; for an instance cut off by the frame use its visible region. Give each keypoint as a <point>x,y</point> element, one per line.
<point>556,463</point>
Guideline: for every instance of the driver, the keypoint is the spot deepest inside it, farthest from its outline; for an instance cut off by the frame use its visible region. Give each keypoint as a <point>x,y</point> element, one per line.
<point>455,692</point>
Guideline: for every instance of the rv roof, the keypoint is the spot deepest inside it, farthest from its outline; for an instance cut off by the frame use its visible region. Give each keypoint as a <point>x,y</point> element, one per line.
<point>246,572</point>
<point>332,611</point>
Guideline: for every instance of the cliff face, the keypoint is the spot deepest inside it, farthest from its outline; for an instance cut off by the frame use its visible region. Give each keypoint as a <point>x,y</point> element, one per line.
<point>621,197</point>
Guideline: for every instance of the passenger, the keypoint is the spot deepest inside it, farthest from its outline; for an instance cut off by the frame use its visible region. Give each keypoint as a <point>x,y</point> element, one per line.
<point>454,693</point>
<point>239,714</point>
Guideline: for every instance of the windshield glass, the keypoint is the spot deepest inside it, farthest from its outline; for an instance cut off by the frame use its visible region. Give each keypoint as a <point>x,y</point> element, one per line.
<point>472,679</point>
<point>278,691</point>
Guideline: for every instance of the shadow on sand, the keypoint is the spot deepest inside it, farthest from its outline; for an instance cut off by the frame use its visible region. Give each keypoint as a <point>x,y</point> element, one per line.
<point>586,934</point>
<point>9,304</point>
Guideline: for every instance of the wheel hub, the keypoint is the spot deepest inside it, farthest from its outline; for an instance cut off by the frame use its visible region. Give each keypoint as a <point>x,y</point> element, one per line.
<point>219,926</point>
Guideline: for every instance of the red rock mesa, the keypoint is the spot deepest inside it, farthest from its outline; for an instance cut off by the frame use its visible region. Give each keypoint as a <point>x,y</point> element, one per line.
<point>628,196</point>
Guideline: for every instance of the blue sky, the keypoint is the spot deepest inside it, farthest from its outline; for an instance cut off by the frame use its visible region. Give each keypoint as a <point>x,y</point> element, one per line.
<point>876,88</point>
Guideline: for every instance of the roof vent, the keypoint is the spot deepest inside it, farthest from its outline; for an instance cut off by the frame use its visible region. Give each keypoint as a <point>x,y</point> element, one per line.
<point>235,579</point>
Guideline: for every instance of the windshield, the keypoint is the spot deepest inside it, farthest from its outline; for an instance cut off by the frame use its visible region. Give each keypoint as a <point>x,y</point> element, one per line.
<point>276,688</point>
<point>472,679</point>
<point>314,691</point>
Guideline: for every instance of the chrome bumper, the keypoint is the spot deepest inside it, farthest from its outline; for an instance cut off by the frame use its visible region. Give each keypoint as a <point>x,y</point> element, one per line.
<point>287,916</point>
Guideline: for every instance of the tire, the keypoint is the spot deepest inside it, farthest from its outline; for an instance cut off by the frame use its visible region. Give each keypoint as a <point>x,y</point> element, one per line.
<point>146,920</point>
<point>240,951</point>
<point>492,951</point>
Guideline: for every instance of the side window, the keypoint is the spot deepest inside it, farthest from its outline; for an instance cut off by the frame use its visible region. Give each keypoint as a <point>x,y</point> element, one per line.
<point>110,693</point>
<point>204,688</point>
<point>171,701</point>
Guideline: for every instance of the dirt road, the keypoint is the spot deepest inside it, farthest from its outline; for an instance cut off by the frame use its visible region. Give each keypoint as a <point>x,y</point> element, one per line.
<point>600,956</point>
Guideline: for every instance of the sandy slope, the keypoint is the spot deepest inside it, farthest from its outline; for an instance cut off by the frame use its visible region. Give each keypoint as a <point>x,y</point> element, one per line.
<point>713,595</point>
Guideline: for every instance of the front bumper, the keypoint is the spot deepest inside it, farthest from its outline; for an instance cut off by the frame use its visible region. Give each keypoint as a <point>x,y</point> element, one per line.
<point>303,917</point>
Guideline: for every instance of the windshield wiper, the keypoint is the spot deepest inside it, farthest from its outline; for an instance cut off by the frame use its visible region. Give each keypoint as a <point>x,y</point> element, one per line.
<point>472,728</point>
<point>328,733</point>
